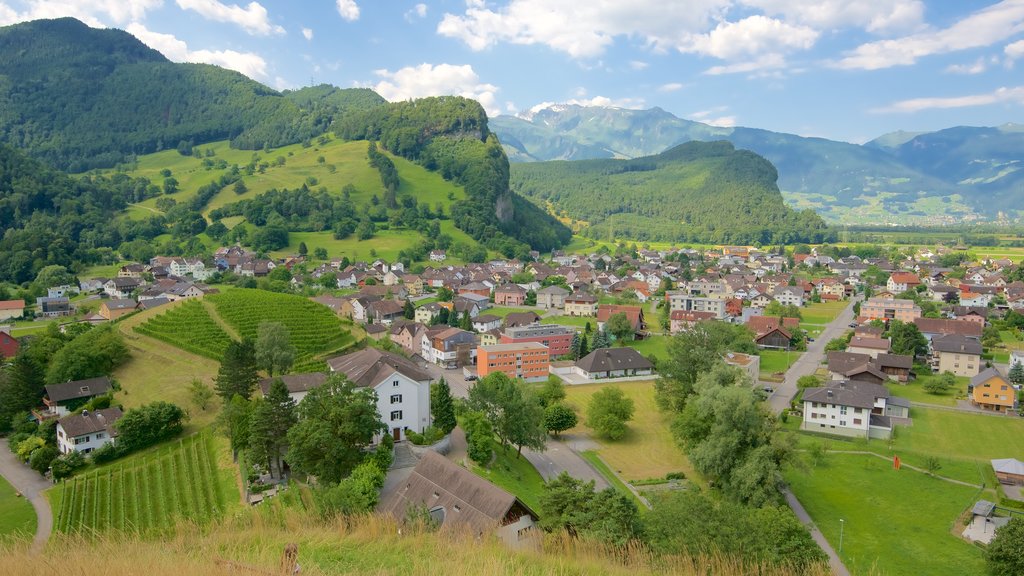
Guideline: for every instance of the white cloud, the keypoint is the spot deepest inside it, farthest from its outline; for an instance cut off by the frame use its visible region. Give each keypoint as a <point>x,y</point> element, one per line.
<point>758,66</point>
<point>581,29</point>
<point>605,102</point>
<point>248,63</point>
<point>419,10</point>
<point>751,36</point>
<point>96,13</point>
<point>982,28</point>
<point>253,18</point>
<point>976,67</point>
<point>873,15</point>
<point>638,64</point>
<point>671,87</point>
<point>307,33</point>
<point>437,80</point>
<point>714,117</point>
<point>1000,95</point>
<point>348,9</point>
<point>1014,50</point>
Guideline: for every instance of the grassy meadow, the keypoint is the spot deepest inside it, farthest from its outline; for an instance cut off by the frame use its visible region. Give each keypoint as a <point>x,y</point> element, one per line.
<point>17,517</point>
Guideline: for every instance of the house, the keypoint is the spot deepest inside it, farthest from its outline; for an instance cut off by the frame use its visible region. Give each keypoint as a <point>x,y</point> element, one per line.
<point>131,271</point>
<point>116,307</point>
<point>478,288</point>
<point>848,408</point>
<point>121,287</point>
<point>469,304</point>
<point>457,499</point>
<point>450,347</point>
<point>91,284</point>
<point>385,311</point>
<point>1009,471</point>
<point>932,327</point>
<point>9,345</point>
<point>682,300</point>
<point>902,281</point>
<point>613,363</point>
<point>777,338</point>
<point>298,384</point>
<point>521,319</point>
<point>87,431</point>
<point>635,315</point>
<point>762,324</point>
<point>879,369</point>
<point>580,304</point>
<point>957,354</point>
<point>989,390</point>
<point>890,309</point>
<point>53,307</point>
<point>552,297</point>
<point>426,313</point>
<point>749,363</point>
<point>557,338</point>
<point>868,345</point>
<point>526,360</point>
<point>402,387</point>
<point>976,314</point>
<point>680,320</point>
<point>486,322</point>
<point>508,295</point>
<point>438,255</point>
<point>10,309</point>
<point>64,398</point>
<point>789,295</point>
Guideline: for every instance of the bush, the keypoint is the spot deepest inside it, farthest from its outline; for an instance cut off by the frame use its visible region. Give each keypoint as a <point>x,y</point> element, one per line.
<point>66,465</point>
<point>106,453</point>
<point>675,476</point>
<point>16,439</point>
<point>42,458</point>
<point>429,436</point>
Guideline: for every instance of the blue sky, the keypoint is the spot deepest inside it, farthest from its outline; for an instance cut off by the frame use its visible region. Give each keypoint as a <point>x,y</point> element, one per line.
<point>842,69</point>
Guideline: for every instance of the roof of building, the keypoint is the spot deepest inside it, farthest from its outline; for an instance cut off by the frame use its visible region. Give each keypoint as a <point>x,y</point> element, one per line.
<point>765,324</point>
<point>86,422</point>
<point>150,303</point>
<point>738,358</point>
<point>1008,466</point>
<point>898,401</point>
<point>633,313</point>
<point>77,389</point>
<point>12,304</point>
<point>984,375</point>
<point>944,326</point>
<point>956,343</point>
<point>120,304</point>
<point>847,393</point>
<point>983,507</point>
<point>521,318</point>
<point>510,288</point>
<point>903,361</point>
<point>554,289</point>
<point>842,362</point>
<point>466,499</point>
<point>905,278</point>
<point>691,315</point>
<point>610,359</point>
<point>370,366</point>
<point>295,382</point>
<point>868,342</point>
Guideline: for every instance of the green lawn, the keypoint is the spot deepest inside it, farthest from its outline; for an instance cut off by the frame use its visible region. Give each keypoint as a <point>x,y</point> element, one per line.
<point>774,361</point>
<point>595,460</point>
<point>648,449</point>
<point>895,522</point>
<point>17,517</point>
<point>504,311</point>
<point>656,346</point>
<point>513,473</point>
<point>822,313</point>
<point>914,391</point>
<point>574,321</point>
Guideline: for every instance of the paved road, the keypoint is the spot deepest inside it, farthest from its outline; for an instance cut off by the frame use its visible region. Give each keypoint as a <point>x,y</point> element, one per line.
<point>833,559</point>
<point>561,456</point>
<point>811,359</point>
<point>31,485</point>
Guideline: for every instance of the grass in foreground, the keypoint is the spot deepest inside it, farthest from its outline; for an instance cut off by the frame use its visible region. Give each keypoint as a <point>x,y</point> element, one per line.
<point>896,522</point>
<point>17,517</point>
<point>514,473</point>
<point>648,449</point>
<point>252,543</point>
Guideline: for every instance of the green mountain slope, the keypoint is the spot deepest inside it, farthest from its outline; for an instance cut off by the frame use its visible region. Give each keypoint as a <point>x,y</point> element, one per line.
<point>878,183</point>
<point>82,98</point>
<point>695,192</point>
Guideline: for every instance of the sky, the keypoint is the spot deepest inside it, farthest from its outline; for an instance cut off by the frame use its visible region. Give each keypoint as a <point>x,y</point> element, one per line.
<point>847,70</point>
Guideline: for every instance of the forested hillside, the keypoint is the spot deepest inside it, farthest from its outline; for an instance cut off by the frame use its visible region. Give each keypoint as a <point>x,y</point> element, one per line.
<point>81,98</point>
<point>449,134</point>
<point>695,192</point>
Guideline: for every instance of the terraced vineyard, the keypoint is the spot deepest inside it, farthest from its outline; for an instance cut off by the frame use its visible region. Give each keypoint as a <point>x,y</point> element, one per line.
<point>189,327</point>
<point>314,329</point>
<point>147,493</point>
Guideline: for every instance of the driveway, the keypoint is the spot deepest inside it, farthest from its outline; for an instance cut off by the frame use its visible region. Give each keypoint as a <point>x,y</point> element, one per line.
<point>562,456</point>
<point>31,485</point>
<point>811,359</point>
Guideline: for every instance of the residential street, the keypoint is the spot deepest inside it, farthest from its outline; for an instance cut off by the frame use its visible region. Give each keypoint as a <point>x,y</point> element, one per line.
<point>31,486</point>
<point>811,359</point>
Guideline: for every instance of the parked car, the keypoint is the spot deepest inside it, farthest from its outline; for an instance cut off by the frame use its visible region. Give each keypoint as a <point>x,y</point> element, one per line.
<point>853,324</point>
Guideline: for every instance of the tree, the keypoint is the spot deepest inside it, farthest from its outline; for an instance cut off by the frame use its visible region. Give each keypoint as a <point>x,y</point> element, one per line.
<point>320,253</point>
<point>42,457</point>
<point>608,411</point>
<point>515,412</point>
<point>573,505</point>
<point>479,436</point>
<point>941,384</point>
<point>237,373</point>
<point>269,423</point>
<point>600,341</point>
<point>336,421</point>
<point>692,353</point>
<point>442,406</point>
<point>95,352</point>
<point>233,421</point>
<point>1016,373</point>
<point>1004,555</point>
<point>273,349</point>
<point>240,187</point>
<point>551,391</point>
<point>618,325</point>
<point>149,424</point>
<point>409,311</point>
<point>906,338</point>
<point>201,393</point>
<point>574,346</point>
<point>303,249</point>
<point>21,387</point>
<point>808,381</point>
<point>836,345</point>
<point>559,418</point>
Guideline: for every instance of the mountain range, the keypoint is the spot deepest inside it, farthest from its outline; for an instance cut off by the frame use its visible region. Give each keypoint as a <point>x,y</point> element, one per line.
<point>961,174</point>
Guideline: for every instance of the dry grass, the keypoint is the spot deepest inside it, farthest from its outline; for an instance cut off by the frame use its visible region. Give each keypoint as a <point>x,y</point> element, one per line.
<point>648,450</point>
<point>252,543</point>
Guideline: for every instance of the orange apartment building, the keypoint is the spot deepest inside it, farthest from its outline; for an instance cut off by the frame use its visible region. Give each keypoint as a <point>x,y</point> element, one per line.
<point>526,360</point>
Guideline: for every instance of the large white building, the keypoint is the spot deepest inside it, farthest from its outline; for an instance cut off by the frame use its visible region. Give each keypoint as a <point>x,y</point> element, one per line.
<point>680,300</point>
<point>851,408</point>
<point>87,431</point>
<point>403,388</point>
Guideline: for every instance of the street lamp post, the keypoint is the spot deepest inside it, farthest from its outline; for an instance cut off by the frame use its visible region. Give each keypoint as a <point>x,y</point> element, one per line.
<point>842,524</point>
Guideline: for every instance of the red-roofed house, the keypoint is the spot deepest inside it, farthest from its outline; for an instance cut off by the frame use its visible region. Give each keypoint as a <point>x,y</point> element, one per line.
<point>635,315</point>
<point>11,309</point>
<point>902,281</point>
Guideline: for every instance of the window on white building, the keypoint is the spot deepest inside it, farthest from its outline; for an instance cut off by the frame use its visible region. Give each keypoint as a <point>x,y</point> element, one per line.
<point>396,398</point>
<point>396,415</point>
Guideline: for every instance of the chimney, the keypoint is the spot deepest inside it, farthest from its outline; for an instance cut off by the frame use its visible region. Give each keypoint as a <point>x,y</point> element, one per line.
<point>828,393</point>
